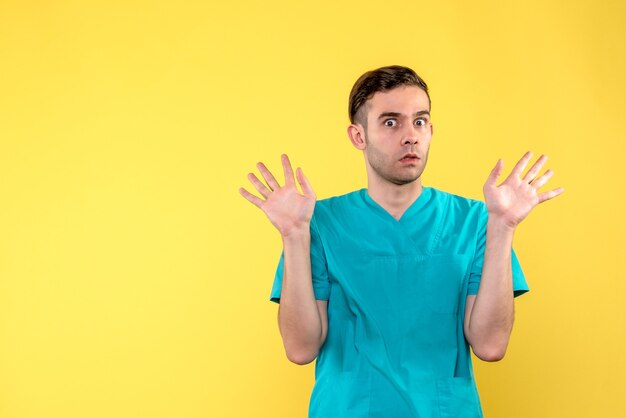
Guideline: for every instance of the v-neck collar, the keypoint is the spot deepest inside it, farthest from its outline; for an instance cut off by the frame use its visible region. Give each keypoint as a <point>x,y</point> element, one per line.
<point>421,200</point>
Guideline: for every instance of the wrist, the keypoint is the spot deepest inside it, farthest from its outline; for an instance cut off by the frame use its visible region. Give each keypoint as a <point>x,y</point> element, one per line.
<point>501,224</point>
<point>297,233</point>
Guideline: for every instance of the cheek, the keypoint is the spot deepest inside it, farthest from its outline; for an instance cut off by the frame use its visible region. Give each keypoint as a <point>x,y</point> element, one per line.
<point>427,136</point>
<point>376,156</point>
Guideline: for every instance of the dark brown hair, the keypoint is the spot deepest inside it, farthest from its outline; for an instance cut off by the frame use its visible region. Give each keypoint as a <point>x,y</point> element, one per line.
<point>381,79</point>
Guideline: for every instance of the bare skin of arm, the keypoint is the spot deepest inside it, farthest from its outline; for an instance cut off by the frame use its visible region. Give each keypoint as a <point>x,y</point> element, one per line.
<point>302,320</point>
<point>489,314</point>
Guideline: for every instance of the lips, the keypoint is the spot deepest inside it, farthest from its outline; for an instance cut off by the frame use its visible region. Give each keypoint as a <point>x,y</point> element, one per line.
<point>409,157</point>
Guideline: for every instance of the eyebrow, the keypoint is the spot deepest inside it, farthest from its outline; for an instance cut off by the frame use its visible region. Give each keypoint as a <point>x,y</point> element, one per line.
<point>396,114</point>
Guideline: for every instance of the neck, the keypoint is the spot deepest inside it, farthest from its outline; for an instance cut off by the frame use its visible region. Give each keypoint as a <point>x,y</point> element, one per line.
<point>394,198</point>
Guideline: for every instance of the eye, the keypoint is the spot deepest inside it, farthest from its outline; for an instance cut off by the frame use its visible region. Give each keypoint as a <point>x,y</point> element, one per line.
<point>390,122</point>
<point>420,122</point>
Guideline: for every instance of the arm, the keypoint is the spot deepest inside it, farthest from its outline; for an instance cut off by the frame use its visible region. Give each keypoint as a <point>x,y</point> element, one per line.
<point>489,314</point>
<point>301,319</point>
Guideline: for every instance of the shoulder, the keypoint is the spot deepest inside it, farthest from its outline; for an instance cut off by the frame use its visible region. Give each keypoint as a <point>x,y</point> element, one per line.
<point>338,209</point>
<point>351,199</point>
<point>457,204</point>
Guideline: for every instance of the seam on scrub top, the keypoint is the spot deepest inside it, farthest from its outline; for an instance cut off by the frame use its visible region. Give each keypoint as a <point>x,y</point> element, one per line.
<point>437,236</point>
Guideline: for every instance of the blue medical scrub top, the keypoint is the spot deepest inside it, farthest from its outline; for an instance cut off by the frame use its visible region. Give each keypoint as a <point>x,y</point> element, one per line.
<point>396,292</point>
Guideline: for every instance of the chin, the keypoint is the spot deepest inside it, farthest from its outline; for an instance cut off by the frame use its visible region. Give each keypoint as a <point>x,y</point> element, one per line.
<point>399,177</point>
<point>408,179</point>
<point>404,181</point>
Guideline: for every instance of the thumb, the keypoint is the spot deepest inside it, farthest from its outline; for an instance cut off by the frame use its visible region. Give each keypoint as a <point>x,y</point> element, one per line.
<point>495,173</point>
<point>304,183</point>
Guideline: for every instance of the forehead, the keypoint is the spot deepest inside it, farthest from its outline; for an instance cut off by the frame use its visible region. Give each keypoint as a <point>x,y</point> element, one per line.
<point>403,99</point>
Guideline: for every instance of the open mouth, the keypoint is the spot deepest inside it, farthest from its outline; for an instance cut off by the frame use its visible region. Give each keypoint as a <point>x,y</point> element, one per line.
<point>409,158</point>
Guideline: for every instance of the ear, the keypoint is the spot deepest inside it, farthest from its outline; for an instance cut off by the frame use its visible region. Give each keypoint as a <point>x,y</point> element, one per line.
<point>356,133</point>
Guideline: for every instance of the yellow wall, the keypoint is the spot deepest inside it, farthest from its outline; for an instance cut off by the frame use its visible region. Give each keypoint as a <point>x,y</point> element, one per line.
<point>134,280</point>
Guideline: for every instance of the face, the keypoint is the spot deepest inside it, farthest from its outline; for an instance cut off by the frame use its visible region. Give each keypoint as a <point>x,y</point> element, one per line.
<point>398,134</point>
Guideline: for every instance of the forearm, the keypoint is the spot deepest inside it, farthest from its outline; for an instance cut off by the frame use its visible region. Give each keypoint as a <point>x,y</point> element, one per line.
<point>491,321</point>
<point>298,316</point>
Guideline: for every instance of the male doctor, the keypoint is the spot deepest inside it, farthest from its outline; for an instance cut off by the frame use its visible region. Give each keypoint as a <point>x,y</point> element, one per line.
<point>389,286</point>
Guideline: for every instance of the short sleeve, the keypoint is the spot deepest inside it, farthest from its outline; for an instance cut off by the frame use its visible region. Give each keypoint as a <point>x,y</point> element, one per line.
<point>519,280</point>
<point>319,270</point>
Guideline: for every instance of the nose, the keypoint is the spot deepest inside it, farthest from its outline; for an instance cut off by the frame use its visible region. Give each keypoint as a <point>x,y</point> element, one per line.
<point>410,136</point>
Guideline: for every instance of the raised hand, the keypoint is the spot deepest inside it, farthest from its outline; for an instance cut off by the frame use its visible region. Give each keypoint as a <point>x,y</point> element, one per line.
<point>287,209</point>
<point>513,200</point>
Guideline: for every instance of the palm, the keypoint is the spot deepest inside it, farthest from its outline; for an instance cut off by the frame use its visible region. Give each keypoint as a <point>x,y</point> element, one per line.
<point>285,206</point>
<point>513,200</point>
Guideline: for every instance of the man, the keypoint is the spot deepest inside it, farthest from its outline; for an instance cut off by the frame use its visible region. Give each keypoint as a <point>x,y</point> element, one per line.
<point>389,286</point>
